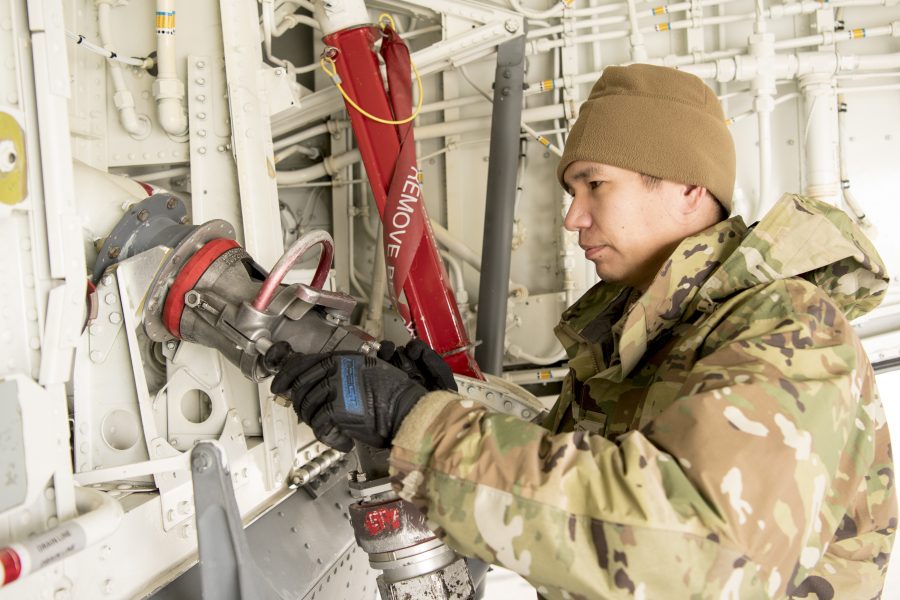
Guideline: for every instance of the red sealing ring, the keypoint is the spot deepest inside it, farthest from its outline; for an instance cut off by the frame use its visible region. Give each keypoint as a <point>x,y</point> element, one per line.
<point>188,277</point>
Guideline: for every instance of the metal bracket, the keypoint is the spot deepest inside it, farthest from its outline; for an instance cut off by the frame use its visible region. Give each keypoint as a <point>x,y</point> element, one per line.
<point>502,396</point>
<point>227,571</point>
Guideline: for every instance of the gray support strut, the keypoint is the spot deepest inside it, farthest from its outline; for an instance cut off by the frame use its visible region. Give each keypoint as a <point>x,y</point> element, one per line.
<point>506,122</point>
<point>227,569</point>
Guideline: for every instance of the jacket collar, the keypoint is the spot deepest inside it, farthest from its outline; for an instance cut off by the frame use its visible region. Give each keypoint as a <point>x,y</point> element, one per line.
<point>670,299</point>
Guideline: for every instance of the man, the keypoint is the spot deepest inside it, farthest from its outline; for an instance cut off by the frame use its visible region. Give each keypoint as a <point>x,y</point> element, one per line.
<point>719,434</point>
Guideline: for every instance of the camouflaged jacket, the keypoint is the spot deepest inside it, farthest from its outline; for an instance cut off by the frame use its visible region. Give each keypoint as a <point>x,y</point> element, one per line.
<point>719,436</point>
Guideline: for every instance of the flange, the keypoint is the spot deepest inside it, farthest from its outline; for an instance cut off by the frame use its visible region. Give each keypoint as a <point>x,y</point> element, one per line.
<point>165,277</point>
<point>159,220</point>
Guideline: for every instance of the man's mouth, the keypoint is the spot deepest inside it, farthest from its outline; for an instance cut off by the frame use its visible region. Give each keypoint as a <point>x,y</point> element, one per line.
<point>592,251</point>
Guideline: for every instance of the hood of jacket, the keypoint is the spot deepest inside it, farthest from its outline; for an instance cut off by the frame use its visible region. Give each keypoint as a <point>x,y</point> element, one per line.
<point>799,237</point>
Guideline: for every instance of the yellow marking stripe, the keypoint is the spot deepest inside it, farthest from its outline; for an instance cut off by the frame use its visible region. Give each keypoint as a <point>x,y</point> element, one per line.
<point>165,21</point>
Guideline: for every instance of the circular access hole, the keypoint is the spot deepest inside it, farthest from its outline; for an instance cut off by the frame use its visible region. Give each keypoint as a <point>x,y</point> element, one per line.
<point>196,406</point>
<point>120,429</point>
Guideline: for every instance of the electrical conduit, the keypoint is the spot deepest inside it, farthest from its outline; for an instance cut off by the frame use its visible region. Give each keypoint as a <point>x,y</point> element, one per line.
<point>137,125</point>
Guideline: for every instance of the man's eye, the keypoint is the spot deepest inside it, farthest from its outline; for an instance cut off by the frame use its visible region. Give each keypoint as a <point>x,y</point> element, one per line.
<point>595,184</point>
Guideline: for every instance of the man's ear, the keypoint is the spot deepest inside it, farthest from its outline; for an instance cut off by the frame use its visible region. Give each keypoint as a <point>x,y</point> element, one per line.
<point>693,197</point>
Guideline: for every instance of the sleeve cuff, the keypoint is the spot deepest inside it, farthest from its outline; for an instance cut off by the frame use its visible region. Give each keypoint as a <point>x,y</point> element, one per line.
<point>417,437</point>
<point>413,437</point>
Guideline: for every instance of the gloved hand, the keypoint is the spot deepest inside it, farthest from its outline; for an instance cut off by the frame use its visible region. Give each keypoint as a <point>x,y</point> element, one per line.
<point>347,396</point>
<point>420,362</point>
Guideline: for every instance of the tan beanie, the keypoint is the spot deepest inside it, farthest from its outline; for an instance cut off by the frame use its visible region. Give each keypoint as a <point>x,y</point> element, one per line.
<point>657,121</point>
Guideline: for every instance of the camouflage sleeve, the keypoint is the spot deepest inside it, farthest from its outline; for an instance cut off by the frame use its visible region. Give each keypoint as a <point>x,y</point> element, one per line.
<point>725,494</point>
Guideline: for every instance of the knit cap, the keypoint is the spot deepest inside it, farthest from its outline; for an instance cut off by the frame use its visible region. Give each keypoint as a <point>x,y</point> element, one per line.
<point>657,121</point>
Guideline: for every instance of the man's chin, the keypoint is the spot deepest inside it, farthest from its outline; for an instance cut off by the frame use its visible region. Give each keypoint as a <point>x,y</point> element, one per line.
<point>608,275</point>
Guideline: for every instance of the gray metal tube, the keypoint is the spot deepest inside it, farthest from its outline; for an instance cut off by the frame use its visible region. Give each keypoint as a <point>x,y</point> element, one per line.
<point>506,122</point>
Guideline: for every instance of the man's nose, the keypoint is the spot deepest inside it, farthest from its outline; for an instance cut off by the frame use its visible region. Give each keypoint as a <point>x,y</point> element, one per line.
<point>577,217</point>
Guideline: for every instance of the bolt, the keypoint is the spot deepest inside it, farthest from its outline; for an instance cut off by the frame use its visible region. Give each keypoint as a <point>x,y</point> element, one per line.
<point>201,462</point>
<point>201,98</point>
<point>200,81</point>
<point>143,215</point>
<point>511,25</point>
<point>201,133</point>
<point>171,203</point>
<point>170,344</point>
<point>279,72</point>
<point>184,220</point>
<point>201,150</point>
<point>201,64</point>
<point>201,115</point>
<point>114,252</point>
<point>8,156</point>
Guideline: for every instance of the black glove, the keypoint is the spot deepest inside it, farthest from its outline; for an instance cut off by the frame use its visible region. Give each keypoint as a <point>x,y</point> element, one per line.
<point>421,363</point>
<point>347,396</point>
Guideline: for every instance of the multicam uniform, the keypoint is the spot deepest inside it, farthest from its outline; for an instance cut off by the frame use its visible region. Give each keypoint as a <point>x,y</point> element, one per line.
<point>719,436</point>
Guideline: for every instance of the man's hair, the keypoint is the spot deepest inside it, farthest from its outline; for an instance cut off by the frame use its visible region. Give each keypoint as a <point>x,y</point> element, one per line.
<point>651,183</point>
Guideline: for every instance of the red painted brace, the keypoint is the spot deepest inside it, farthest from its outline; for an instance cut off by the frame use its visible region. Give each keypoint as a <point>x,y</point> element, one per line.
<point>427,289</point>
